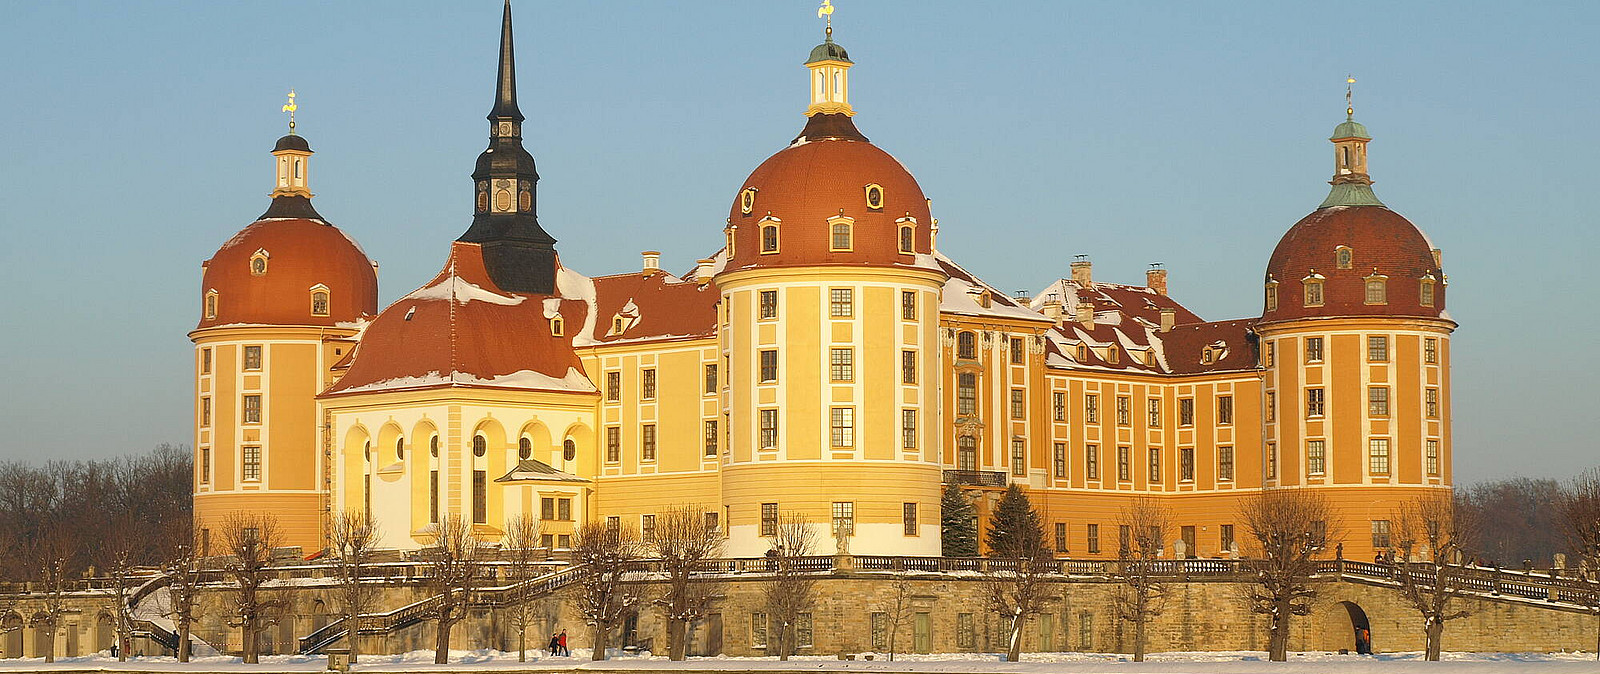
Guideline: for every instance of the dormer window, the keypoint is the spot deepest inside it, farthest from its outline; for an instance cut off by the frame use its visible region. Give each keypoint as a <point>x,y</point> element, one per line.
<point>319,300</point>
<point>747,200</point>
<point>908,235</point>
<point>1425,293</point>
<point>875,197</point>
<point>1377,289</point>
<point>1272,295</point>
<point>1111,355</point>
<point>211,304</point>
<point>840,234</point>
<point>1343,257</point>
<point>1150,357</point>
<point>618,324</point>
<point>258,263</point>
<point>557,327</point>
<point>1081,353</point>
<point>769,238</point>
<point>1313,288</point>
<point>729,232</point>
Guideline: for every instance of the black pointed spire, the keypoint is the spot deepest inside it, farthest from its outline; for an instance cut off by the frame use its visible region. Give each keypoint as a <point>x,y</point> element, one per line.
<point>505,93</point>
<point>518,253</point>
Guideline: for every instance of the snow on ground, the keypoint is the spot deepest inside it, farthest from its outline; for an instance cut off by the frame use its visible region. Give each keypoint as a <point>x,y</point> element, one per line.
<point>1032,663</point>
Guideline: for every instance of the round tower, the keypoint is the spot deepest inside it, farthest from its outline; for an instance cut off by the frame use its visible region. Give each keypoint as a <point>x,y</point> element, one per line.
<point>1356,344</point>
<point>829,310</point>
<point>280,304</point>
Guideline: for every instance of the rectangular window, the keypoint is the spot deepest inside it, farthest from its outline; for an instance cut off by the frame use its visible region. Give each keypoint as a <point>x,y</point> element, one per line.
<point>1155,412</point>
<point>205,360</point>
<point>564,509</point>
<point>1124,463</point>
<point>710,439</point>
<point>1378,348</point>
<point>1155,464</point>
<point>1060,460</point>
<point>769,304</point>
<point>547,508</point>
<point>844,518</point>
<point>1124,538</point>
<point>769,519</point>
<point>1272,461</point>
<point>1313,349</point>
<point>1227,537</point>
<point>802,630</point>
<point>1091,462</point>
<point>1225,463</point>
<point>647,442</point>
<point>613,444</point>
<point>1186,411</point>
<point>1378,456</point>
<point>1314,404</point>
<point>1018,355</point>
<point>1058,406</point>
<point>966,393</point>
<point>1061,536</point>
<point>1430,350</point>
<point>1430,403</point>
<point>711,378</point>
<point>908,367</point>
<point>1186,464</point>
<point>1378,401</point>
<point>647,527</point>
<point>1094,539</point>
<point>966,632</point>
<point>1091,409</point>
<point>1316,457</point>
<point>1272,297</point>
<point>613,525</point>
<point>252,409</point>
<point>1225,410</point>
<point>1123,414</point>
<point>769,429</point>
<point>205,465</point>
<point>252,358</point>
<point>842,427</point>
<point>1018,404</point>
<point>1433,458</point>
<point>758,630</point>
<point>841,302</point>
<point>908,429</point>
<point>908,305</point>
<point>908,518</point>
<point>769,365</point>
<point>480,497</point>
<point>1380,534</point>
<point>1272,406</point>
<point>433,497</point>
<point>842,364</point>
<point>713,521</point>
<point>613,386</point>
<point>547,541</point>
<point>647,385</point>
<point>880,631</point>
<point>1019,457</point>
<point>205,412</point>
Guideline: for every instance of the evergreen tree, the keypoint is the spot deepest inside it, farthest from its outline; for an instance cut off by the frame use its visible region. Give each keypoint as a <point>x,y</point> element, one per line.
<point>1014,528</point>
<point>959,533</point>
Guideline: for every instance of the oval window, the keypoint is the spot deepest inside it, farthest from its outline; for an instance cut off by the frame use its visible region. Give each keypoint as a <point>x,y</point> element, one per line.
<point>400,448</point>
<point>874,196</point>
<point>569,450</point>
<point>747,200</point>
<point>433,446</point>
<point>480,446</point>
<point>524,449</point>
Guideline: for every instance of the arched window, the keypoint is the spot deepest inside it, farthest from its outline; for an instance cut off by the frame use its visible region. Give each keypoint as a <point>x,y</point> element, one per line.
<point>1344,257</point>
<point>729,231</point>
<point>1377,290</point>
<point>400,449</point>
<point>908,238</point>
<point>433,446</point>
<point>211,304</point>
<point>299,170</point>
<point>319,301</point>
<point>1272,296</point>
<point>524,449</point>
<point>483,196</point>
<point>1313,287</point>
<point>480,445</point>
<point>769,238</point>
<point>966,345</point>
<point>841,236</point>
<point>258,263</point>
<point>557,326</point>
<point>1426,293</point>
<point>569,450</point>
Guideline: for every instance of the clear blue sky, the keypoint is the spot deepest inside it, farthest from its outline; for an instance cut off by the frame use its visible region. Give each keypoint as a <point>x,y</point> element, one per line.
<point>1187,133</point>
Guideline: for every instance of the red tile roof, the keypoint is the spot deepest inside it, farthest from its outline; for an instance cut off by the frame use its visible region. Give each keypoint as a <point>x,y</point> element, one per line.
<point>1379,239</point>
<point>301,253</point>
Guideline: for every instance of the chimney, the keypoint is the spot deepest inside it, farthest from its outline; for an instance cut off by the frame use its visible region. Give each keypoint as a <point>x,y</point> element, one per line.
<point>1082,271</point>
<point>1085,313</point>
<point>702,270</point>
<point>652,261</point>
<point>1156,278</point>
<point>1052,308</point>
<point>1169,317</point>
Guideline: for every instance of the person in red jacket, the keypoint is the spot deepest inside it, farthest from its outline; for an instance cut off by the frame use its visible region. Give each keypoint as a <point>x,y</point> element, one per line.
<point>564,650</point>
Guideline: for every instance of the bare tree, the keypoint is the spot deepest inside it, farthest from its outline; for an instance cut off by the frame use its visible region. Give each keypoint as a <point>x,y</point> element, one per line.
<point>604,555</point>
<point>684,540</point>
<point>897,610</point>
<point>1288,527</point>
<point>1515,520</point>
<point>1142,594</point>
<point>51,554</point>
<point>792,591</point>
<point>248,540</point>
<point>353,538</point>
<point>453,562</point>
<point>1580,512</point>
<point>1436,527</point>
<point>183,566</point>
<point>1016,586</point>
<point>115,554</point>
<point>521,547</point>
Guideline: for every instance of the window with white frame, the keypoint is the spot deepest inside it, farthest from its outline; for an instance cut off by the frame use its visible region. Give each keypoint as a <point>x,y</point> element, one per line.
<point>1378,456</point>
<point>1316,457</point>
<point>842,427</point>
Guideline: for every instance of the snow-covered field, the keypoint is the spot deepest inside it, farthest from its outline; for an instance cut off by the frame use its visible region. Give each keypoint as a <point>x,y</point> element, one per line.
<point>1033,663</point>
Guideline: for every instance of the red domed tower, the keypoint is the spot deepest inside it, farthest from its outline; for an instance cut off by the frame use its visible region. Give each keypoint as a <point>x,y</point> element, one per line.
<point>1356,342</point>
<point>281,302</point>
<point>830,315</point>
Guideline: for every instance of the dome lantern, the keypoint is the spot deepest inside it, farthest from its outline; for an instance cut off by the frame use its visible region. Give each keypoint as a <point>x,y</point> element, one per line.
<point>830,65</point>
<point>1352,186</point>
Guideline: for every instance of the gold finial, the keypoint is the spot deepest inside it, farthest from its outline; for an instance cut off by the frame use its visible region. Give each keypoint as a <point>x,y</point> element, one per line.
<point>826,12</point>
<point>1349,107</point>
<point>290,107</point>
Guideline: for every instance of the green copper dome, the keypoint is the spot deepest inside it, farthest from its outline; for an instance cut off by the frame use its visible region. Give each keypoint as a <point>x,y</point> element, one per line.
<point>1350,129</point>
<point>828,51</point>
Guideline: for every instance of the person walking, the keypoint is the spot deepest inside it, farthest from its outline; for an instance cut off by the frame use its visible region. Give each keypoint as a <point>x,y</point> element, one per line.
<point>563,640</point>
<point>555,645</point>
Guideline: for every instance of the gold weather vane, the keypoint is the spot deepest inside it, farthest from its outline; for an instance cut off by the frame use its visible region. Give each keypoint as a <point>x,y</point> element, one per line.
<point>1349,106</point>
<point>826,12</point>
<point>290,107</point>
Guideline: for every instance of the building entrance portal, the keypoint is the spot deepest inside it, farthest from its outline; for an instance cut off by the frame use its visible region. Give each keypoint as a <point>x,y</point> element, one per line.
<point>1360,633</point>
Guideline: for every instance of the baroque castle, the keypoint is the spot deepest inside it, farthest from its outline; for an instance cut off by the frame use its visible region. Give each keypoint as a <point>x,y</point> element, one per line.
<point>829,360</point>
